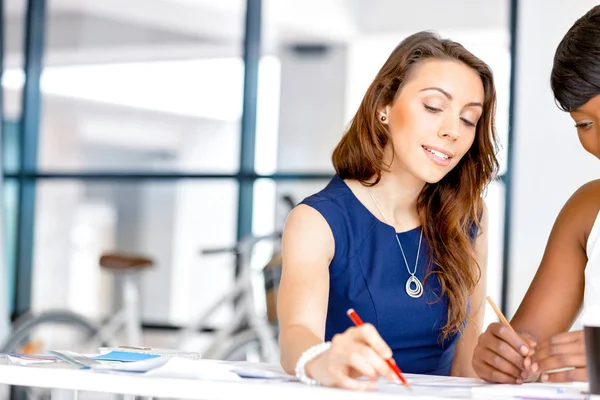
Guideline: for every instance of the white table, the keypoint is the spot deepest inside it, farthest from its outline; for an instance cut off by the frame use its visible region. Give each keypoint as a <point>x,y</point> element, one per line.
<point>86,380</point>
<point>73,380</point>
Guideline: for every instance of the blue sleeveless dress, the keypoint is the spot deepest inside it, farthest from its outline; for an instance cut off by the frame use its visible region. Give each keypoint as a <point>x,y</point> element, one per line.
<point>368,273</point>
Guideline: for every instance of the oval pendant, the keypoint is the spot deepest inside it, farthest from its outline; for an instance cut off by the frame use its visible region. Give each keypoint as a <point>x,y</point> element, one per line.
<point>417,291</point>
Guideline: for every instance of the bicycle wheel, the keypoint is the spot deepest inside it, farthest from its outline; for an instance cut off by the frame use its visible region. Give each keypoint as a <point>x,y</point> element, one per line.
<point>48,330</point>
<point>246,346</point>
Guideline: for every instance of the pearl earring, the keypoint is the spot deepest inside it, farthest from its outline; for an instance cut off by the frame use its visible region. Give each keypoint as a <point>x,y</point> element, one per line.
<point>383,118</point>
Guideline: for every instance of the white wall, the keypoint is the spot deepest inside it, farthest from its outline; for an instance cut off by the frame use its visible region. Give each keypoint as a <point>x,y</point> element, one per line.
<point>392,15</point>
<point>549,163</point>
<point>312,108</point>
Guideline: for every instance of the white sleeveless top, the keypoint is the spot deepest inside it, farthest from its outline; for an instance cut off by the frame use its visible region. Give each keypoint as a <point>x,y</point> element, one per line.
<point>591,299</point>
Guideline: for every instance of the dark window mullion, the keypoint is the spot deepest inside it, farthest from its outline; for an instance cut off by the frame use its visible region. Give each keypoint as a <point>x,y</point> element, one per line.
<point>248,129</point>
<point>29,139</point>
<point>507,176</point>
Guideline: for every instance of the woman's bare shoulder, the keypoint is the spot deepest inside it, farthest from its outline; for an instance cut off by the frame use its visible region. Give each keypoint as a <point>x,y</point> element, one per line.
<point>582,207</point>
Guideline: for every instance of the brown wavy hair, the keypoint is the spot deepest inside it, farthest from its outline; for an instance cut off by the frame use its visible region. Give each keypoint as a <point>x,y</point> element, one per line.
<point>450,209</point>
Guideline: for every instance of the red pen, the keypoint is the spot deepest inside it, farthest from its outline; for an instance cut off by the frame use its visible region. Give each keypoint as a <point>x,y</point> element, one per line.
<point>392,364</point>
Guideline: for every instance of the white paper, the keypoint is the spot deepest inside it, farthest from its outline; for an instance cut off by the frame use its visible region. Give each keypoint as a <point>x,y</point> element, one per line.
<point>447,387</point>
<point>182,367</point>
<point>27,361</point>
<point>442,381</point>
<point>574,391</point>
<point>177,367</point>
<point>432,386</point>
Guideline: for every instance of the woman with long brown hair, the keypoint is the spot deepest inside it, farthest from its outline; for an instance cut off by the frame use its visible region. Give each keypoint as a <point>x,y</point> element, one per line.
<point>399,234</point>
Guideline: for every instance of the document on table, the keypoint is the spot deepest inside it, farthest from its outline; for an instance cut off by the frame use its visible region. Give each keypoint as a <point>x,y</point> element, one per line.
<point>455,387</point>
<point>177,367</point>
<point>151,364</point>
<point>534,391</point>
<point>433,386</point>
<point>24,359</point>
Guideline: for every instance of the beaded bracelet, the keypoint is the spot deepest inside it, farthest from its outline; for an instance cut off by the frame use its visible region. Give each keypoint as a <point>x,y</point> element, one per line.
<point>307,356</point>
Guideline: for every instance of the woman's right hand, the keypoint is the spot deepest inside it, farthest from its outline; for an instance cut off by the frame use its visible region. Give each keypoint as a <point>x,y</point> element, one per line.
<point>358,352</point>
<point>503,356</point>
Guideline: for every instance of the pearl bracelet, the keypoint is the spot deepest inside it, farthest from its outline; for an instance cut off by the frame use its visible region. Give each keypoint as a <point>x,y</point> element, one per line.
<point>307,356</point>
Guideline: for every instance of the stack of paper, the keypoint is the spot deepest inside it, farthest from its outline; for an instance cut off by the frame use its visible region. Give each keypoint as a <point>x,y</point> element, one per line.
<point>177,367</point>
<point>433,386</point>
<point>150,351</point>
<point>171,366</point>
<point>541,391</point>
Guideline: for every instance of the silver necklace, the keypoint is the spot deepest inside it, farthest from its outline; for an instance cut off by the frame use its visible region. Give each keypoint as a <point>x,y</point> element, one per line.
<point>418,289</point>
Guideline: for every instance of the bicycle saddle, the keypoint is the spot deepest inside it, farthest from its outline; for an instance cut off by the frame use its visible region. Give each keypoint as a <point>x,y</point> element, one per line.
<point>116,261</point>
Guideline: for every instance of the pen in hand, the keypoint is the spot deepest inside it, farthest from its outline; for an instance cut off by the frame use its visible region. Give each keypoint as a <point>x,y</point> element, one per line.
<point>504,321</point>
<point>499,314</point>
<point>390,362</point>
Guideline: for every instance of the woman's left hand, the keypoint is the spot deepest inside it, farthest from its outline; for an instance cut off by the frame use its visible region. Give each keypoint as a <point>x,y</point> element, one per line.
<point>566,350</point>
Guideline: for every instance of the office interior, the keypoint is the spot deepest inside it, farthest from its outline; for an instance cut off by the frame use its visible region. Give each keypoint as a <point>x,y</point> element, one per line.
<point>163,128</point>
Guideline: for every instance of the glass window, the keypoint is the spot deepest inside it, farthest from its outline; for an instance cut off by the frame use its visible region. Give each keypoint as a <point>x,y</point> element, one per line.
<point>144,87</point>
<point>13,29</point>
<point>170,222</point>
<point>154,86</point>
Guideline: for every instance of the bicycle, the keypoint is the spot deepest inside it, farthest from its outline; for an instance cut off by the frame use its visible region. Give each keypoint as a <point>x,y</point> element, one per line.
<point>246,334</point>
<point>260,340</point>
<point>126,269</point>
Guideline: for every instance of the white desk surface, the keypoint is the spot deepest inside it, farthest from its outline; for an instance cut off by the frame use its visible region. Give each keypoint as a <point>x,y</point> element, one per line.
<point>86,380</point>
<point>140,385</point>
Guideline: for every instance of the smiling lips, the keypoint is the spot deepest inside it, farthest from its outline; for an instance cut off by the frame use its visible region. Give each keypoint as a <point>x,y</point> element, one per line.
<point>439,156</point>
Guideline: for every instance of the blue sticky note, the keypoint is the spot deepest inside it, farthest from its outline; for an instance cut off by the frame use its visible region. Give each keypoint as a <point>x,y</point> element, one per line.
<point>125,356</point>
